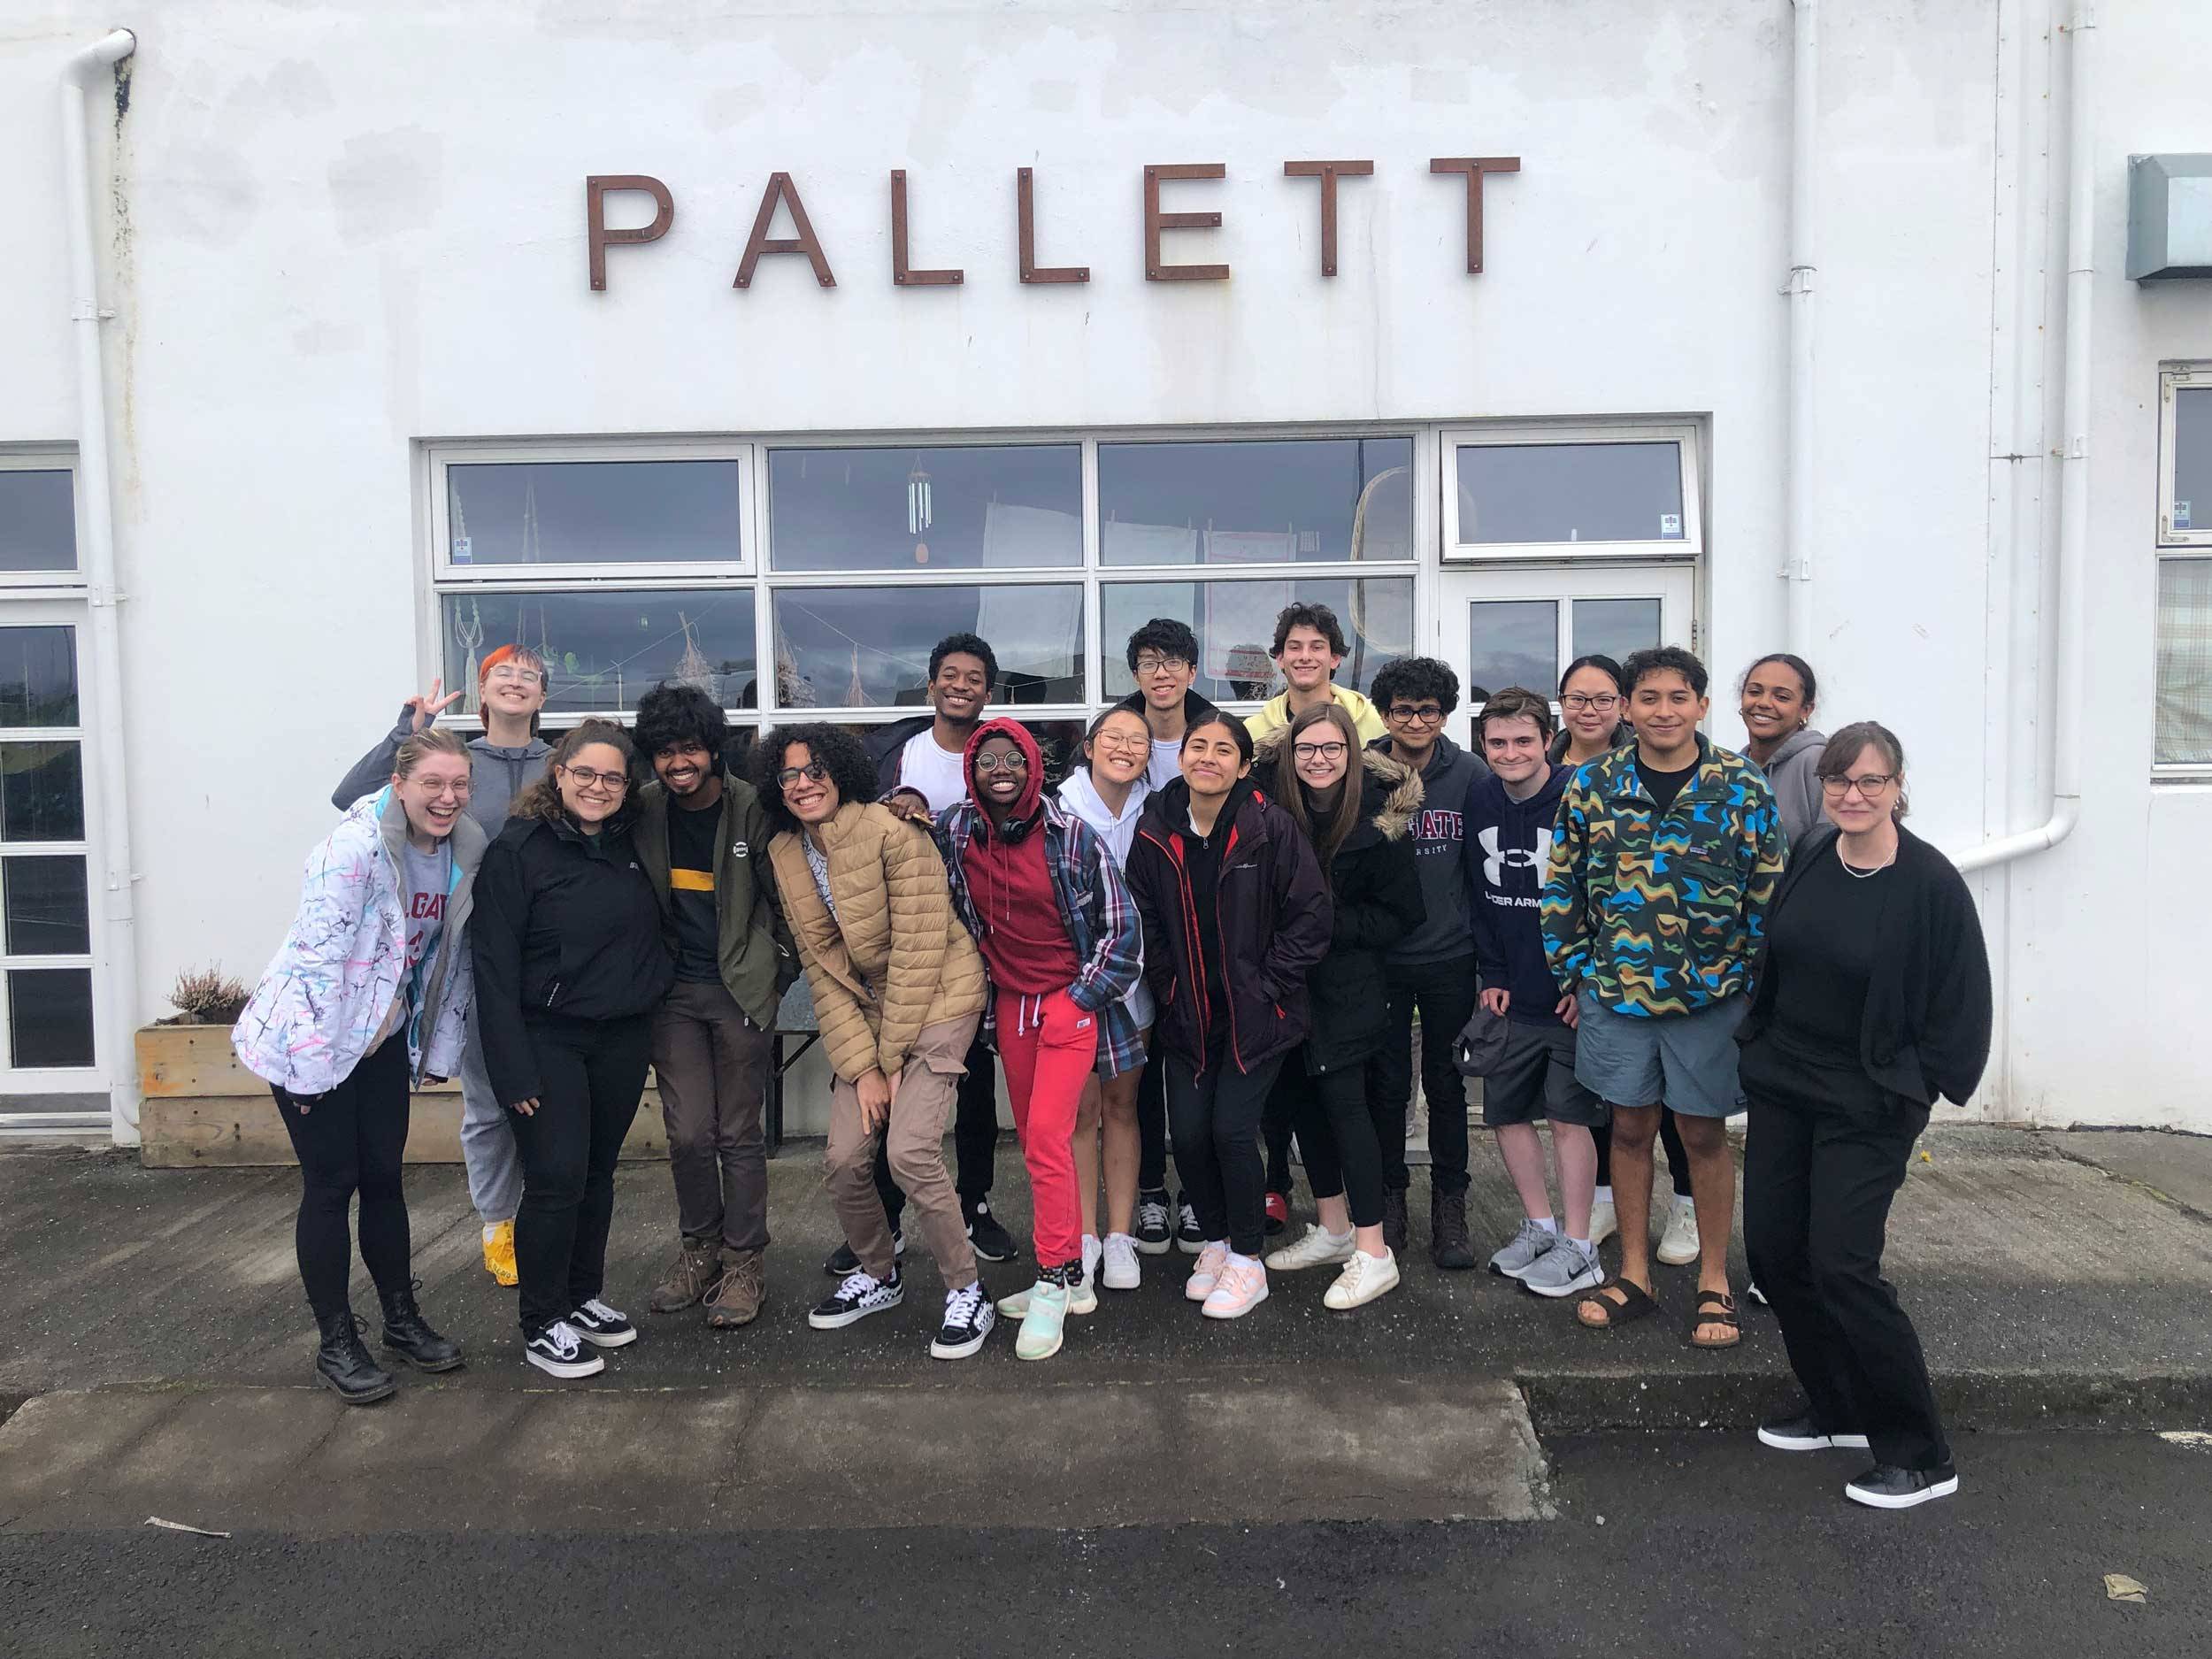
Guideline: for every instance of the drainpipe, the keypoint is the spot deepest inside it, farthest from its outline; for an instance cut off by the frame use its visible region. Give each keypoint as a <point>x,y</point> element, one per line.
<point>2063,764</point>
<point>1797,567</point>
<point>117,1011</point>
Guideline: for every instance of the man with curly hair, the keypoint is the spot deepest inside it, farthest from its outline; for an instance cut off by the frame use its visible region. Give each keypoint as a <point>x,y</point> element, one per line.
<point>1309,648</point>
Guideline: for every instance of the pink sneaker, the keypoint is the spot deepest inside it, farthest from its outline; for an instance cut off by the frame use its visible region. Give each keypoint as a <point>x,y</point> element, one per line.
<point>1205,1270</point>
<point>1242,1288</point>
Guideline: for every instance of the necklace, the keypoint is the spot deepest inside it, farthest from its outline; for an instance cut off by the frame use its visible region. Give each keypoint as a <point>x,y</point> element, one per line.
<point>1852,870</point>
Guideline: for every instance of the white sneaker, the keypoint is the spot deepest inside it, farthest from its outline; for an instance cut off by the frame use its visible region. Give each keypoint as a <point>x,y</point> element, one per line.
<point>1118,1268</point>
<point>1319,1247</point>
<point>1241,1287</point>
<point>1603,1223</point>
<point>1364,1279</point>
<point>1678,1245</point>
<point>1211,1259</point>
<point>1092,1251</point>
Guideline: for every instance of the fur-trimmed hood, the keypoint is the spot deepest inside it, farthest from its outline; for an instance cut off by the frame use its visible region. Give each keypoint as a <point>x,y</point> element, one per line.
<point>1390,790</point>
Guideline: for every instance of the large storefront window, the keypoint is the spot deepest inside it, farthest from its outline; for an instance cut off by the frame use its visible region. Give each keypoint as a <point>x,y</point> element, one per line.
<point>869,648</point>
<point>1541,493</point>
<point>594,512</point>
<point>1235,625</point>
<point>1256,502</point>
<point>602,647</point>
<point>1000,507</point>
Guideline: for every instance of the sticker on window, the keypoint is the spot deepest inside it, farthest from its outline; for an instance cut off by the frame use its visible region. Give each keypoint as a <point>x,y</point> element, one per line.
<point>2181,516</point>
<point>460,549</point>
<point>1670,527</point>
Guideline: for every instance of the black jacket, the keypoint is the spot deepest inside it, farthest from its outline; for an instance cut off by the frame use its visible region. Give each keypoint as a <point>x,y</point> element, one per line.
<point>1928,1002</point>
<point>884,743</point>
<point>1375,893</point>
<point>563,929</point>
<point>1195,708</point>
<point>1273,914</point>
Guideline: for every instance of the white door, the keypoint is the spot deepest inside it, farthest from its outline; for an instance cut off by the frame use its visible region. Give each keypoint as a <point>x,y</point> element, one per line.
<point>1521,625</point>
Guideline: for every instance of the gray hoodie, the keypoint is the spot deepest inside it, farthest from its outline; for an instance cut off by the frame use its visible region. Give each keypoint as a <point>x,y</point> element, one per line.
<point>1796,790</point>
<point>497,774</point>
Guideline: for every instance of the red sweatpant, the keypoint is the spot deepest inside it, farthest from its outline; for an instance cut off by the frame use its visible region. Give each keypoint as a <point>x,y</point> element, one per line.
<point>1049,1048</point>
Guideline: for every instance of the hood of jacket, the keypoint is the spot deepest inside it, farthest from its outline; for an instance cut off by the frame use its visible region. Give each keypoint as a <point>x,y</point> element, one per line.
<point>1023,818</point>
<point>1804,741</point>
<point>1441,759</point>
<point>1170,806</point>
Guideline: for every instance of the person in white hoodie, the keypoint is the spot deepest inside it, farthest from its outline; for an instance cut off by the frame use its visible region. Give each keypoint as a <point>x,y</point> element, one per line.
<point>368,999</point>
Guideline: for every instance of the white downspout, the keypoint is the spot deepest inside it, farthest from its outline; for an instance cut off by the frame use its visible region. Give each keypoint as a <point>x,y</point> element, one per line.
<point>116,1012</point>
<point>1797,567</point>
<point>2063,767</point>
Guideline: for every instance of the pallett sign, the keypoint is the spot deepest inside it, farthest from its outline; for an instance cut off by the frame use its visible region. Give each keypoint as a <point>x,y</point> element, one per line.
<point>783,193</point>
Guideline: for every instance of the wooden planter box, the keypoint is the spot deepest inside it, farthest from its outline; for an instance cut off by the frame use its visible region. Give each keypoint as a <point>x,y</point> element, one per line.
<point>201,1109</point>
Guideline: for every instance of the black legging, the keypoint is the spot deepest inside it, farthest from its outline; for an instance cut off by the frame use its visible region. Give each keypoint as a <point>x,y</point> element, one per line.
<point>1336,1135</point>
<point>1152,1127</point>
<point>351,1141</point>
<point>1214,1117</point>
<point>1669,1137</point>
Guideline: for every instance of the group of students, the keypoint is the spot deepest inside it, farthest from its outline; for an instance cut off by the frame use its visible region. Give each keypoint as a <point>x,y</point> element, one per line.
<point>1218,932</point>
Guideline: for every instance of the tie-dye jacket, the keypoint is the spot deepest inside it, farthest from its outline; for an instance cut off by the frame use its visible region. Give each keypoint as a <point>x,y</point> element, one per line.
<point>1662,912</point>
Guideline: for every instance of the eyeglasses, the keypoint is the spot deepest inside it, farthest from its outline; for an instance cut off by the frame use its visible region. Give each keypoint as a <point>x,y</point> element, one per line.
<point>516,676</point>
<point>1416,713</point>
<point>1147,664</point>
<point>585,778</point>
<point>1581,699</point>
<point>459,786</point>
<point>813,771</point>
<point>1122,745</point>
<point>1869,784</point>
<point>1318,751</point>
<point>1011,761</point>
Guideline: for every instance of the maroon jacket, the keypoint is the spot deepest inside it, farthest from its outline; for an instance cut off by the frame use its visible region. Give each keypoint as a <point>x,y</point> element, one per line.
<point>1272,910</point>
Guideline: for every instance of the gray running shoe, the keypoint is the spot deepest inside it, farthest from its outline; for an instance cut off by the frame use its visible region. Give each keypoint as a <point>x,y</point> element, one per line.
<point>1563,1270</point>
<point>1524,1249</point>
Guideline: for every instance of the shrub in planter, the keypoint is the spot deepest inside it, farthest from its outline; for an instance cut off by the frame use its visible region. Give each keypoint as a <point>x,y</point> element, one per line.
<point>207,996</point>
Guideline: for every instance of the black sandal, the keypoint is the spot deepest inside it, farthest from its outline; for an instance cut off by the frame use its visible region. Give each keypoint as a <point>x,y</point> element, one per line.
<point>1635,1304</point>
<point>1714,1307</point>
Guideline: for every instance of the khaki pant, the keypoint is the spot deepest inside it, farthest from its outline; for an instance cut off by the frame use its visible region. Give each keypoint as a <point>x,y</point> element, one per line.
<point>914,1143</point>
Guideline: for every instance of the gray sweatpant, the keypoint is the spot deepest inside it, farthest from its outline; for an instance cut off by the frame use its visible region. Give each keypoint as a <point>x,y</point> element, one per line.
<point>488,1140</point>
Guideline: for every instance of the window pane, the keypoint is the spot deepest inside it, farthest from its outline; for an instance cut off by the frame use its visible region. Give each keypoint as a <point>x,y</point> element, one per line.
<point>38,521</point>
<point>46,910</point>
<point>1255,502</point>
<point>1511,642</point>
<point>960,509</point>
<point>2184,662</point>
<point>1235,625</point>
<point>2193,457</point>
<point>1612,627</point>
<point>49,1016</point>
<point>38,676</point>
<point>42,792</point>
<point>1569,492</point>
<point>604,650</point>
<point>869,648</point>
<point>594,513</point>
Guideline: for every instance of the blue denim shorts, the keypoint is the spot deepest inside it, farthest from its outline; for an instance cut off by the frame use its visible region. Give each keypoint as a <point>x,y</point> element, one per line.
<point>1683,1060</point>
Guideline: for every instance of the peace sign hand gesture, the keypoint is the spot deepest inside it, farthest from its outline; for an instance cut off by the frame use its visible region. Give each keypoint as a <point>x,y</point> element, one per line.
<point>429,705</point>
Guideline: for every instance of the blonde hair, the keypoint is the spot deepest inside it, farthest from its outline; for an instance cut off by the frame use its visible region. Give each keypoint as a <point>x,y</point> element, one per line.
<point>428,742</point>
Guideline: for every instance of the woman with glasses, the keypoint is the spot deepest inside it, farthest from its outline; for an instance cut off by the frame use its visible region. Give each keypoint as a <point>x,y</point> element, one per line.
<point>367,998</point>
<point>505,760</point>
<point>898,994</point>
<point>1355,806</point>
<point>571,965</point>
<point>1872,1000</point>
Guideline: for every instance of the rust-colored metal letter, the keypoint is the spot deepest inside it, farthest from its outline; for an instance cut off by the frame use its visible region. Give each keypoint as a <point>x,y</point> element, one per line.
<point>781,190</point>
<point>596,233</point>
<point>1328,173</point>
<point>1156,221</point>
<point>1025,218</point>
<point>902,272</point>
<point>1474,167</point>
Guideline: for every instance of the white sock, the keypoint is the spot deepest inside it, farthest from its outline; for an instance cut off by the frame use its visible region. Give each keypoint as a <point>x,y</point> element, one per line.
<point>1344,1237</point>
<point>1689,1204</point>
<point>1582,1245</point>
<point>1547,1224</point>
<point>493,1228</point>
<point>1242,1261</point>
<point>1604,1195</point>
<point>1091,1248</point>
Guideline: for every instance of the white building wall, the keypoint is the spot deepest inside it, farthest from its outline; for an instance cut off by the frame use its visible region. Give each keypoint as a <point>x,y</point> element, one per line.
<point>350,230</point>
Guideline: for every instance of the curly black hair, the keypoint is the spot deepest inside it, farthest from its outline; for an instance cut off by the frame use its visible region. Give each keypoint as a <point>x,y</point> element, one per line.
<point>1665,659</point>
<point>1166,635</point>
<point>966,645</point>
<point>1320,618</point>
<point>673,716</point>
<point>851,772</point>
<point>1414,679</point>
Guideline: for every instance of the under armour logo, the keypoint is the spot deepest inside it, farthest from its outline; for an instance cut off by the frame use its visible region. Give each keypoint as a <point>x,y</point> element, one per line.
<point>1496,861</point>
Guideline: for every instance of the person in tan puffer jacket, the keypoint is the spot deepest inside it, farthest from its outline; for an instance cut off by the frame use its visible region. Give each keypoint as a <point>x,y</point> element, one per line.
<point>899,990</point>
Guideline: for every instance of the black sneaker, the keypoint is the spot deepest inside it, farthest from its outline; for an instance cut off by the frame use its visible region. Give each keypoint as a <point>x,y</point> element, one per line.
<point>842,1264</point>
<point>1885,1487</point>
<point>1152,1235</point>
<point>1804,1433</point>
<point>1188,1240</point>
<point>861,1295</point>
<point>602,1326</point>
<point>559,1352</point>
<point>969,1318</point>
<point>992,1241</point>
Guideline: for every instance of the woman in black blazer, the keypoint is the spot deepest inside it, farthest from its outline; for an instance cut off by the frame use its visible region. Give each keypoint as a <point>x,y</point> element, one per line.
<point>1872,999</point>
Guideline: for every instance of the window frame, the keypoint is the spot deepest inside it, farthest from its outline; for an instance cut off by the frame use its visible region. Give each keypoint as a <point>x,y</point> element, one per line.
<point>2172,378</point>
<point>1684,434</point>
<point>48,458</point>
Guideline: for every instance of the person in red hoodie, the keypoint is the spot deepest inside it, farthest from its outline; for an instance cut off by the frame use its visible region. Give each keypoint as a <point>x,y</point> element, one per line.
<point>1059,934</point>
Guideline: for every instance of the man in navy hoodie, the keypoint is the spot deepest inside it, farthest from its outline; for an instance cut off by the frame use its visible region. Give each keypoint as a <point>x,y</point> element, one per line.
<point>1509,829</point>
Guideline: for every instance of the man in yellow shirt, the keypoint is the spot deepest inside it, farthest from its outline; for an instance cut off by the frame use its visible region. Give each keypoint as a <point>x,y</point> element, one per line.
<point>1308,645</point>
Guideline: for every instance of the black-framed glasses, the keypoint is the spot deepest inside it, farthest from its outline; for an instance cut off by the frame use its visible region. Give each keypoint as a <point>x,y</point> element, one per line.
<point>1148,665</point>
<point>1869,784</point>
<point>1011,761</point>
<point>1417,713</point>
<point>1581,699</point>
<point>1318,751</point>
<point>813,771</point>
<point>585,778</point>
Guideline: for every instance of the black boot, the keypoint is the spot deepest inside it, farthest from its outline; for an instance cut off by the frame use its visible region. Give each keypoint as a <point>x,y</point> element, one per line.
<point>1394,1221</point>
<point>408,1335</point>
<point>1449,1247</point>
<point>342,1364</point>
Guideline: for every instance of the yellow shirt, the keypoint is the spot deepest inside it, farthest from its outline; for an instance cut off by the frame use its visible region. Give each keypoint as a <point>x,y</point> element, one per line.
<point>1274,715</point>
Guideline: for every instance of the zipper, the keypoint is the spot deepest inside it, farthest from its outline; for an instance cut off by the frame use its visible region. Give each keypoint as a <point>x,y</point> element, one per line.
<point>1190,942</point>
<point>552,992</point>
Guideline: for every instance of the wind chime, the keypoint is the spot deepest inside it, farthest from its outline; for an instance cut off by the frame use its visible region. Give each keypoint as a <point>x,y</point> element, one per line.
<point>917,510</point>
<point>468,635</point>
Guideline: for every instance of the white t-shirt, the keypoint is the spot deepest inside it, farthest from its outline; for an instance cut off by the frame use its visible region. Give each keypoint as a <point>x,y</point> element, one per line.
<point>925,767</point>
<point>1166,764</point>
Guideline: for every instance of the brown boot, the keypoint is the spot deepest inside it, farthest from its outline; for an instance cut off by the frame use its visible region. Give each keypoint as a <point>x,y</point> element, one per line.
<point>736,1299</point>
<point>697,1267</point>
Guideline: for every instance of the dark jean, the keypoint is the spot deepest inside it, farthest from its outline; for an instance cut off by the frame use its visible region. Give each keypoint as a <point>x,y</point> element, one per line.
<point>712,1066</point>
<point>590,1075</point>
<point>1152,1124</point>
<point>1214,1118</point>
<point>351,1141</point>
<point>1443,992</point>
<point>974,1137</point>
